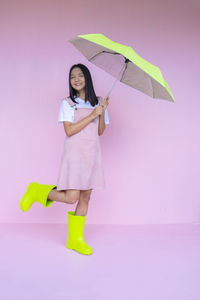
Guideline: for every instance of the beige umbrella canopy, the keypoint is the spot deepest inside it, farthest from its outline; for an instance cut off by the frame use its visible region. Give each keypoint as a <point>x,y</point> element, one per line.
<point>124,64</point>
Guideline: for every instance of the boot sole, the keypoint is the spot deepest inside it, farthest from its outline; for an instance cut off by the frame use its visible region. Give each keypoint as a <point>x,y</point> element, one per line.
<point>71,248</point>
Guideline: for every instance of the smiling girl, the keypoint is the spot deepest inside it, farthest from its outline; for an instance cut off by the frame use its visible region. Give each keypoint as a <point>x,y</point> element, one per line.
<point>84,117</point>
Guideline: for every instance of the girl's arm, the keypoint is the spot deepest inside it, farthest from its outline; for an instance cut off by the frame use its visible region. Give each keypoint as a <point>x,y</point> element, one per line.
<point>72,128</point>
<point>102,125</point>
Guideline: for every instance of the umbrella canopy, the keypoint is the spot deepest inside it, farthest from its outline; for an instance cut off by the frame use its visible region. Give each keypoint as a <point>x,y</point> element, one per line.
<point>124,64</point>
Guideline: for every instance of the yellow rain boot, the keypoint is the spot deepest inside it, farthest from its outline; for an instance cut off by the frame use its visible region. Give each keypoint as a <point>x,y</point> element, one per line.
<point>36,192</point>
<point>75,240</point>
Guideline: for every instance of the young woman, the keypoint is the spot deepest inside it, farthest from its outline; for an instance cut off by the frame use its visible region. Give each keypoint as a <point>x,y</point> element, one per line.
<point>84,116</point>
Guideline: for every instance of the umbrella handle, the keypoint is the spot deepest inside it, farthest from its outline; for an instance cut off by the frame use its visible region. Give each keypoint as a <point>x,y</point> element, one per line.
<point>124,66</point>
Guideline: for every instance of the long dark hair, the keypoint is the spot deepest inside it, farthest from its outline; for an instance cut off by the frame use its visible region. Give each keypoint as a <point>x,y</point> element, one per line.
<point>89,89</point>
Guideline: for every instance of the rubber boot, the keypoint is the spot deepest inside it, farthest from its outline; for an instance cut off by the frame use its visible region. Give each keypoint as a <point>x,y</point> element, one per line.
<point>36,192</point>
<point>75,240</point>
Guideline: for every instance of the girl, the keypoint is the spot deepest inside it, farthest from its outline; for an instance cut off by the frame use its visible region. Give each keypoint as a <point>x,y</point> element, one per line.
<point>84,116</point>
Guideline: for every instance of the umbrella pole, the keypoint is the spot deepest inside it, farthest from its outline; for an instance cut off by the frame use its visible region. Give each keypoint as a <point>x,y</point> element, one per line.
<point>124,66</point>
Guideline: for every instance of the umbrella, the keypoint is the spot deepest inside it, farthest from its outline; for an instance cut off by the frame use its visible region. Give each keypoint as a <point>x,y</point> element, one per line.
<point>131,69</point>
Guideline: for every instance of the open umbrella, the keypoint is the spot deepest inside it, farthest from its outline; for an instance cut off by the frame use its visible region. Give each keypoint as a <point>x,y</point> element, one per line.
<point>122,60</point>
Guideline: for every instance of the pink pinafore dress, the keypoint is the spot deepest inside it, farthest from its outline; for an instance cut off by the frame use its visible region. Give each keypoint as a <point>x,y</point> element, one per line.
<point>81,165</point>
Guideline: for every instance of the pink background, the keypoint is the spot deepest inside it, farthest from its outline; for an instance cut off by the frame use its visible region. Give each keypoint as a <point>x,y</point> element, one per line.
<point>151,146</point>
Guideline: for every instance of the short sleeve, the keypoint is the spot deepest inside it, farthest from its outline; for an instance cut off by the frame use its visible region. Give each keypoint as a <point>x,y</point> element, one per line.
<point>66,112</point>
<point>106,117</point>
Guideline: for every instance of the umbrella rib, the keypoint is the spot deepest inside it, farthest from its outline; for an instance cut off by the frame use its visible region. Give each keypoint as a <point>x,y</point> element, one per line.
<point>112,53</point>
<point>101,53</point>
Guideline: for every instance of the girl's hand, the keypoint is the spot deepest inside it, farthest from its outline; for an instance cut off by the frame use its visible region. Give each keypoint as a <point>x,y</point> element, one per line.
<point>105,103</point>
<point>97,111</point>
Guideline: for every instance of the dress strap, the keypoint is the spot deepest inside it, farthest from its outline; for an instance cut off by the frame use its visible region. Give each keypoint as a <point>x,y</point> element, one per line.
<point>69,100</point>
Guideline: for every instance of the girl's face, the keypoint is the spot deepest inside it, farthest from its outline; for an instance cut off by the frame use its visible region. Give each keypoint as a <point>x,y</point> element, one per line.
<point>77,79</point>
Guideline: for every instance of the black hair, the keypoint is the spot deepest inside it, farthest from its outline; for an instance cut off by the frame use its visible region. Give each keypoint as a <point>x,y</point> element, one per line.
<point>89,89</point>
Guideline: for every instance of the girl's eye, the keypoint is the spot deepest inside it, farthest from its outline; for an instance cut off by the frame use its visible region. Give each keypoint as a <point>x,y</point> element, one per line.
<point>74,77</point>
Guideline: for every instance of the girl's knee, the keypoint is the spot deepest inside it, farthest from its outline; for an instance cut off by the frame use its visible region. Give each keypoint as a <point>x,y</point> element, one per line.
<point>72,196</point>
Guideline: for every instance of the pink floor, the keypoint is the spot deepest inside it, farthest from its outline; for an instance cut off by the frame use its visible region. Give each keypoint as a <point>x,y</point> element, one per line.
<point>128,262</point>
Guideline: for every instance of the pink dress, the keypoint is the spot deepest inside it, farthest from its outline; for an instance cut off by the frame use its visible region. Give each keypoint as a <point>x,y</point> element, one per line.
<point>81,165</point>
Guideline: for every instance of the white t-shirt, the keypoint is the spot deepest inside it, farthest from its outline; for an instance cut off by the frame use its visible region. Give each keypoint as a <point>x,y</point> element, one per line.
<point>66,112</point>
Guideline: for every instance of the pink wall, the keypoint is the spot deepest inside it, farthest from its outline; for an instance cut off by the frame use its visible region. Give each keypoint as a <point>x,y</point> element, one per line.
<point>150,148</point>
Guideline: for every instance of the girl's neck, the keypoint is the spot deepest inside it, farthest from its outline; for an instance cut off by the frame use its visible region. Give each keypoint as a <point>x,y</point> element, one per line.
<point>81,95</point>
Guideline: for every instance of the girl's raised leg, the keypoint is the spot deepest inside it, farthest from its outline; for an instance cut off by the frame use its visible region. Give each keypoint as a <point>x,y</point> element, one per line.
<point>67,196</point>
